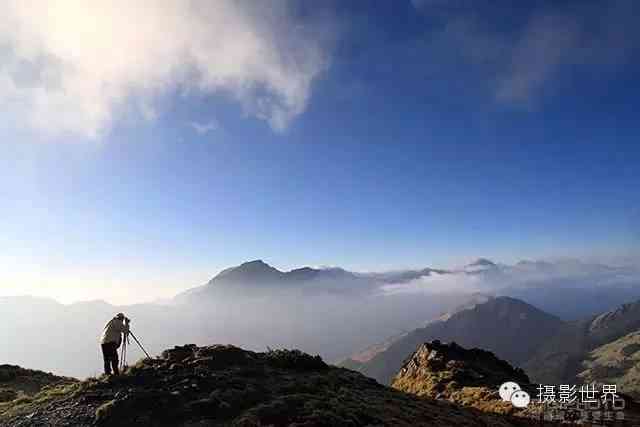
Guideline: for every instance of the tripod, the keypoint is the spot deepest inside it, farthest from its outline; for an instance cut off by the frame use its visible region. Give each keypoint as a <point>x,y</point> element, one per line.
<point>123,350</point>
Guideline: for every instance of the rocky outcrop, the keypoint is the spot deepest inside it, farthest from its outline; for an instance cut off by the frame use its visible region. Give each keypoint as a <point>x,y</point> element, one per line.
<point>470,377</point>
<point>225,385</point>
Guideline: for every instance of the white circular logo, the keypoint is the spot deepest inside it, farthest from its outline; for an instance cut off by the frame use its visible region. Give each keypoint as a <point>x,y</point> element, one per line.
<point>507,389</point>
<point>520,399</point>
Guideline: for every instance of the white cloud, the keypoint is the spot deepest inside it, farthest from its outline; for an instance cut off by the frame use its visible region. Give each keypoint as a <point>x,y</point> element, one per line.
<point>561,274</point>
<point>72,66</point>
<point>525,62</point>
<point>547,43</point>
<point>597,37</point>
<point>437,283</point>
<point>204,128</point>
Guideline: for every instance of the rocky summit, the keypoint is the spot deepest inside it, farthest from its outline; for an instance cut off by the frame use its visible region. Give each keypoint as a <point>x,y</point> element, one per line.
<point>224,385</point>
<point>469,377</point>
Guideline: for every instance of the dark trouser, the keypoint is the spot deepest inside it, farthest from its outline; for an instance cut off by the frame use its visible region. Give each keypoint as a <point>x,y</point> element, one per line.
<point>110,356</point>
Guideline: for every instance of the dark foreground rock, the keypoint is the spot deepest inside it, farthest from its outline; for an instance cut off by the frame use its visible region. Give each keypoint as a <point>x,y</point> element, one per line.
<point>225,385</point>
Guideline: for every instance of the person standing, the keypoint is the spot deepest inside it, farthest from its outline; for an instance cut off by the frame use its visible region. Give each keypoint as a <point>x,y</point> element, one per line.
<point>114,332</point>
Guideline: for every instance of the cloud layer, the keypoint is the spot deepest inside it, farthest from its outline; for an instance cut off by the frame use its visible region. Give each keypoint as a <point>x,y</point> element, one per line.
<point>437,283</point>
<point>567,274</point>
<point>75,66</point>
<point>521,62</point>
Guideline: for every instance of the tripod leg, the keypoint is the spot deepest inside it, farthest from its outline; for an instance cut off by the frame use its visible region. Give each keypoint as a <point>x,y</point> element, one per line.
<point>123,355</point>
<point>138,342</point>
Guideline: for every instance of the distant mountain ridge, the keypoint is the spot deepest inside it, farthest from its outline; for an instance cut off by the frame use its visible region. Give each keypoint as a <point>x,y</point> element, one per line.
<point>331,311</point>
<point>259,271</point>
<point>496,325</point>
<point>565,355</point>
<point>257,276</point>
<point>605,347</point>
<point>542,283</point>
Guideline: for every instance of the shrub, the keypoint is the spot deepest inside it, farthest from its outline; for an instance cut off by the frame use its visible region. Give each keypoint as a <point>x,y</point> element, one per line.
<point>294,359</point>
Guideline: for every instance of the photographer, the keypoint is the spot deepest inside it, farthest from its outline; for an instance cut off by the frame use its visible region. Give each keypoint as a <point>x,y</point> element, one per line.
<point>113,334</point>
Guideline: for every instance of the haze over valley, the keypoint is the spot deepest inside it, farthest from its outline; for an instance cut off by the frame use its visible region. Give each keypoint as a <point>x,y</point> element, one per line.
<point>331,312</point>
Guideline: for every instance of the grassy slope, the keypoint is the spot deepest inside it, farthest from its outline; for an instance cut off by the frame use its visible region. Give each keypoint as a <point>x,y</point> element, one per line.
<point>617,362</point>
<point>17,382</point>
<point>223,385</point>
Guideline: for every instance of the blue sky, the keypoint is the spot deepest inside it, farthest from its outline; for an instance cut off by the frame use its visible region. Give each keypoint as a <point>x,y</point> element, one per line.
<point>372,135</point>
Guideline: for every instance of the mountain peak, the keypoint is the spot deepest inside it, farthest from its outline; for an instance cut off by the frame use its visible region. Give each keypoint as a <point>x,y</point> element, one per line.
<point>251,272</point>
<point>302,274</point>
<point>482,266</point>
<point>256,263</point>
<point>506,306</point>
<point>484,262</point>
